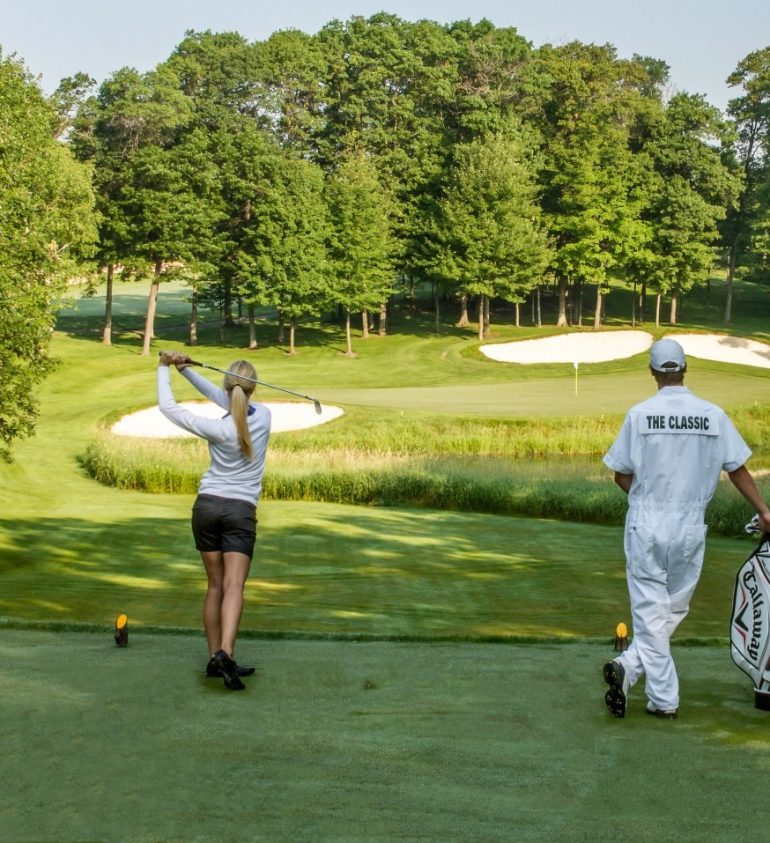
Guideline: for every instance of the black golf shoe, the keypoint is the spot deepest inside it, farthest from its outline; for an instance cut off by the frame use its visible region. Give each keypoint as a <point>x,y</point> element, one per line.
<point>213,672</point>
<point>617,696</point>
<point>229,670</point>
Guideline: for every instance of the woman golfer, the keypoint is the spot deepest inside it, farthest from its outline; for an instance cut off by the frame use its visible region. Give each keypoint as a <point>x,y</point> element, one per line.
<point>224,514</point>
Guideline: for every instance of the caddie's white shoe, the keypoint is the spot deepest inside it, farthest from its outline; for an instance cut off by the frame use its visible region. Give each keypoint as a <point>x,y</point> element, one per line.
<point>664,713</point>
<point>617,696</point>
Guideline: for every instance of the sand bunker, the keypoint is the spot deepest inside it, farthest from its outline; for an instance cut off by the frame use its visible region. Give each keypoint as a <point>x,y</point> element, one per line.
<point>726,349</point>
<point>571,348</point>
<point>152,424</point>
<point>614,345</point>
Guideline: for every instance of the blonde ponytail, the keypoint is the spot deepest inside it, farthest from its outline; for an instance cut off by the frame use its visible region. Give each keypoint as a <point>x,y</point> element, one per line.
<point>239,391</point>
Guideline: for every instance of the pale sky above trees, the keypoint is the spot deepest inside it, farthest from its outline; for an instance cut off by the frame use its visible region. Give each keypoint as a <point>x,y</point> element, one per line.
<point>701,40</point>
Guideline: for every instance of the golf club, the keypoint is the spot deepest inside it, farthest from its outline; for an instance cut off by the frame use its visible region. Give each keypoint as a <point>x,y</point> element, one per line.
<point>316,402</point>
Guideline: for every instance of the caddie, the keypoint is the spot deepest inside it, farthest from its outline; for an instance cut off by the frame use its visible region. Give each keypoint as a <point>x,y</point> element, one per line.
<point>667,458</point>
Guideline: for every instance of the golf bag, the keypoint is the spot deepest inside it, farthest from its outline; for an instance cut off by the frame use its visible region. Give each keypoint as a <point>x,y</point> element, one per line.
<point>750,621</point>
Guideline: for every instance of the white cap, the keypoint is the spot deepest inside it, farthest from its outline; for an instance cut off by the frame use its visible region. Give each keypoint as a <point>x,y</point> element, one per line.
<point>667,355</point>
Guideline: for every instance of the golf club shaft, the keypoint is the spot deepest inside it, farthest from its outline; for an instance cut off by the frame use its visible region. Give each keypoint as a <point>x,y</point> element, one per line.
<point>257,381</point>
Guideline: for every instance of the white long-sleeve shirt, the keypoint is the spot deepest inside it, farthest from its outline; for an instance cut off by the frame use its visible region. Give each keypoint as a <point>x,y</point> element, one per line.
<point>231,474</point>
<point>676,444</point>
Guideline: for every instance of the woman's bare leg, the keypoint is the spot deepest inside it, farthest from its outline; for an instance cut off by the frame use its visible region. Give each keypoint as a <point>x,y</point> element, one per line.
<point>236,570</point>
<point>213,562</point>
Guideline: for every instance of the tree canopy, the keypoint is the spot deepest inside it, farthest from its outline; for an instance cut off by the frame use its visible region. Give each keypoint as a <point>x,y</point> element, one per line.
<point>311,172</point>
<point>46,230</point>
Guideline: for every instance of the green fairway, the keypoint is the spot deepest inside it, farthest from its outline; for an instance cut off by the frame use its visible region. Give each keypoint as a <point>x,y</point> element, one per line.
<point>381,710</point>
<point>323,569</point>
<point>74,551</point>
<point>361,742</point>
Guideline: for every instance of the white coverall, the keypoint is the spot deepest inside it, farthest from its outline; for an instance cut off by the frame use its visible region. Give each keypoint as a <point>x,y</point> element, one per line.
<point>675,445</point>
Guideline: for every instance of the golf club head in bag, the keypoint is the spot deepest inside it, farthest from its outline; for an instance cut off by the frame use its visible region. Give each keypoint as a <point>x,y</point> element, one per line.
<point>750,621</point>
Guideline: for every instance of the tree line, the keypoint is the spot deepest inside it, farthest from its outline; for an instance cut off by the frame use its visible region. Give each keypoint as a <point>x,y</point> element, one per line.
<point>313,172</point>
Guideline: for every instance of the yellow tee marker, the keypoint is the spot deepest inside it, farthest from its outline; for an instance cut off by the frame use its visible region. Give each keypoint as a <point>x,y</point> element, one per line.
<point>121,631</point>
<point>621,637</point>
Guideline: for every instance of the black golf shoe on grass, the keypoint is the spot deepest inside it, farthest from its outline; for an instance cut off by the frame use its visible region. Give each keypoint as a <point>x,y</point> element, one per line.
<point>617,696</point>
<point>213,672</point>
<point>229,670</point>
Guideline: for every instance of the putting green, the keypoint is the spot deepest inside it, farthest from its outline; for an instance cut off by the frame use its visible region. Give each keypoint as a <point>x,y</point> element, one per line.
<point>598,392</point>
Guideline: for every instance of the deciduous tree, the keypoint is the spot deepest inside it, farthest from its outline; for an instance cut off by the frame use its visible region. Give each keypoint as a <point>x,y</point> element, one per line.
<point>362,246</point>
<point>748,221</point>
<point>492,242</point>
<point>46,230</point>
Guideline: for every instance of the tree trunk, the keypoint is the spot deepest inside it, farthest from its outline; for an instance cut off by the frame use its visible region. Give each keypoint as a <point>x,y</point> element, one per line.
<point>348,341</point>
<point>729,285</point>
<point>561,320</point>
<point>483,316</point>
<point>152,302</point>
<point>252,329</point>
<point>658,302</point>
<point>107,332</point>
<point>674,302</point>
<point>383,321</point>
<point>598,310</point>
<point>537,308</point>
<point>193,339</point>
<point>633,307</point>
<point>227,306</point>
<point>518,314</point>
<point>292,333</point>
<point>281,333</point>
<point>365,324</point>
<point>579,304</point>
<point>464,321</point>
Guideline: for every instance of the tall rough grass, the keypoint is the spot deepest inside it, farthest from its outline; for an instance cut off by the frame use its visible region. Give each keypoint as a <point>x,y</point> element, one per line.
<point>435,435</point>
<point>575,490</point>
<point>162,466</point>
<point>431,435</point>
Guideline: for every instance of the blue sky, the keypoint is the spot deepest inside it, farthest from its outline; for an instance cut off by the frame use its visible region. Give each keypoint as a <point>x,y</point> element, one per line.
<point>701,40</point>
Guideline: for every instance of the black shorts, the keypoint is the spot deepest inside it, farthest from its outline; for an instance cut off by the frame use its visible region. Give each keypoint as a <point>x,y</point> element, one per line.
<point>224,524</point>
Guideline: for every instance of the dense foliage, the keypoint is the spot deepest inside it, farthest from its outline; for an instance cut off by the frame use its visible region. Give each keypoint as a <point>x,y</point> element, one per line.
<point>46,228</point>
<point>318,174</point>
<point>454,154</point>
